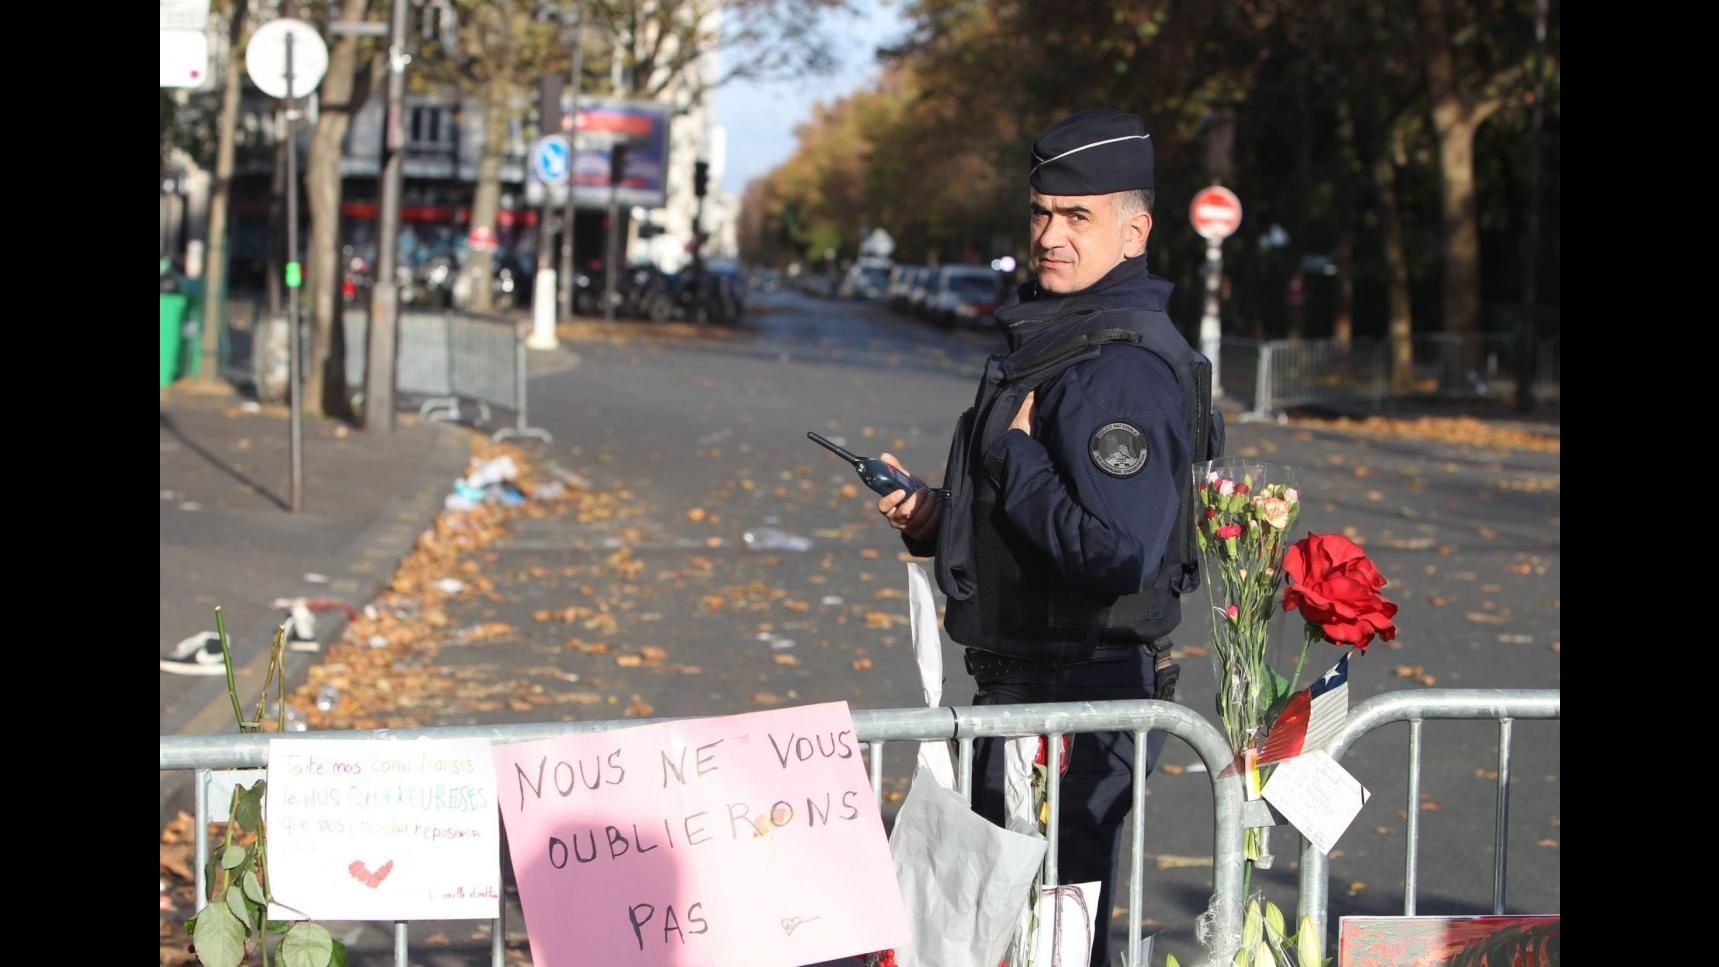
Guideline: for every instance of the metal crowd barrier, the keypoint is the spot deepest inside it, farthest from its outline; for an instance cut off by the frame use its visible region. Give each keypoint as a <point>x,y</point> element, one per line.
<point>1503,705</point>
<point>1221,925</point>
<point>449,358</point>
<point>1269,376</point>
<point>875,728</point>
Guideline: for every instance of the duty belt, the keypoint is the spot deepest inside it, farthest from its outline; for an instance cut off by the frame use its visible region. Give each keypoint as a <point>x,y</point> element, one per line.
<point>987,667</point>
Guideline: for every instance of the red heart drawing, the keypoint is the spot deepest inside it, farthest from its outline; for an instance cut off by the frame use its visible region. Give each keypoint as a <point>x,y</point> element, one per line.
<point>362,873</point>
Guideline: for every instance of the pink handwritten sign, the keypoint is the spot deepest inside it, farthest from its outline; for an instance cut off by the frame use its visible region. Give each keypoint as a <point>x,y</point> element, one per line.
<point>751,839</point>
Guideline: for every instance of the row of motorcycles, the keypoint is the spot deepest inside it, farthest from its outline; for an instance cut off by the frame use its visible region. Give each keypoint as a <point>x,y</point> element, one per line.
<point>647,292</point>
<point>641,292</point>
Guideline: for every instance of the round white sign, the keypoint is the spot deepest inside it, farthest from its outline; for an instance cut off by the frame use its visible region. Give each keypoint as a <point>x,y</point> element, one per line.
<point>266,58</point>
<point>551,161</point>
<point>1216,213</point>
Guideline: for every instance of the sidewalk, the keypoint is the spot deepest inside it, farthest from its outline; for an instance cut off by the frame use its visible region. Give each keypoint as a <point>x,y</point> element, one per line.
<point>227,538</point>
<point>1545,420</point>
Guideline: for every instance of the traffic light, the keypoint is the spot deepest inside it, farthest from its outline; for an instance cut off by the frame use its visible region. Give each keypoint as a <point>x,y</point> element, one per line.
<point>549,103</point>
<point>700,178</point>
<point>617,164</point>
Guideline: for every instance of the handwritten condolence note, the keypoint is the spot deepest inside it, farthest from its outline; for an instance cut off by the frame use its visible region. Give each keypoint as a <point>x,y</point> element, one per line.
<point>383,830</point>
<point>1317,795</point>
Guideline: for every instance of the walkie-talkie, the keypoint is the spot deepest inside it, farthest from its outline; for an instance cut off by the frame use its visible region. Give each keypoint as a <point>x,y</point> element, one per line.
<point>879,476</point>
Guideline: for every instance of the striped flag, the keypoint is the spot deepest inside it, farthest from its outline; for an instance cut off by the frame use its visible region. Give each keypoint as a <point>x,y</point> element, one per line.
<point>1312,718</point>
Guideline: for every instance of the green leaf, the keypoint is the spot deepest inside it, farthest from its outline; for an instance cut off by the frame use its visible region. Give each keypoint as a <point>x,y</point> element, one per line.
<point>220,937</point>
<point>306,945</point>
<point>212,876</point>
<point>1262,954</point>
<point>249,813</point>
<point>1171,961</point>
<point>1280,696</point>
<point>1241,958</point>
<point>339,958</point>
<point>1282,688</point>
<point>236,903</point>
<point>279,926</point>
<point>233,857</point>
<point>1307,944</point>
<point>253,887</point>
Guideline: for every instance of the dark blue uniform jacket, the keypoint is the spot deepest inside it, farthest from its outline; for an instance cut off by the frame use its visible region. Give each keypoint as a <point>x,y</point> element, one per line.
<point>1054,544</point>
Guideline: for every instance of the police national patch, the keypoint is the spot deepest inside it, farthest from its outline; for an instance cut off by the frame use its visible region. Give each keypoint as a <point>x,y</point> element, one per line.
<point>1118,449</point>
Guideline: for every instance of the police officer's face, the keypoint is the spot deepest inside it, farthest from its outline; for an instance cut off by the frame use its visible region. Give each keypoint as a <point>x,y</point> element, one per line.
<point>1079,238</point>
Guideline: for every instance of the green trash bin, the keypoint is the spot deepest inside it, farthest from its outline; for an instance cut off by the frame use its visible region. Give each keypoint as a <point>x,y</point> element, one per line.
<point>173,307</point>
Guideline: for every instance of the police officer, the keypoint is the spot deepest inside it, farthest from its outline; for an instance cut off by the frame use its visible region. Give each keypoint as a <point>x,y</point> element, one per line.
<point>1064,541</point>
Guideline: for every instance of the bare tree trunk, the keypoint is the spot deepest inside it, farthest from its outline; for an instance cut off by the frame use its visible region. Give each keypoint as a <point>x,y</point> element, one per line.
<point>1455,120</point>
<point>1343,324</point>
<point>1391,153</point>
<point>489,194</point>
<point>1461,229</point>
<point>1301,208</point>
<point>1401,325</point>
<point>1527,346</point>
<point>325,384</point>
<point>220,199</point>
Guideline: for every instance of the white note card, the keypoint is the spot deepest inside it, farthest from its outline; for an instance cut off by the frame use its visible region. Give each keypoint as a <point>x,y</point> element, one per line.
<point>1318,795</point>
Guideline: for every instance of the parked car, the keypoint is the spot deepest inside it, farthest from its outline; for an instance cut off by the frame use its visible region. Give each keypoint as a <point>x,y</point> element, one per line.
<point>818,284</point>
<point>899,285</point>
<point>920,292</point>
<point>866,279</point>
<point>962,293</point>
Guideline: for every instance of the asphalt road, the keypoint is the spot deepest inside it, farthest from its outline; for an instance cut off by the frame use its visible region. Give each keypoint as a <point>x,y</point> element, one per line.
<point>702,439</point>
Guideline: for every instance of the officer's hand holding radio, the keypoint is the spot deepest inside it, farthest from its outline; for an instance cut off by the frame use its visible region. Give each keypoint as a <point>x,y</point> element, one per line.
<point>915,514</point>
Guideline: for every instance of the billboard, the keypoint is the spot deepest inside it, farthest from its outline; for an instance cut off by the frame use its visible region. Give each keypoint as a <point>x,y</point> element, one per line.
<point>644,126</point>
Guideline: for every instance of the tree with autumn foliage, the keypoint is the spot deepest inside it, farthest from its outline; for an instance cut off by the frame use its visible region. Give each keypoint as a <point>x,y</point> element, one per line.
<point>1379,147</point>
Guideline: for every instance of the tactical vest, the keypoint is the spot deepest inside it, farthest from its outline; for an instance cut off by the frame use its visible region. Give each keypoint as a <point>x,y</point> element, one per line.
<point>1004,595</point>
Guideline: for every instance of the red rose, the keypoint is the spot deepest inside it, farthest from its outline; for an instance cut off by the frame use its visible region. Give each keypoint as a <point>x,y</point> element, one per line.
<point>1232,612</point>
<point>1229,530</point>
<point>1241,488</point>
<point>1336,587</point>
<point>1211,512</point>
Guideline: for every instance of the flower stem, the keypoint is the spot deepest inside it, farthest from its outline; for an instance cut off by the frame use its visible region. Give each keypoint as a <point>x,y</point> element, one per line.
<point>1306,643</point>
<point>277,667</point>
<point>227,658</point>
<point>232,810</point>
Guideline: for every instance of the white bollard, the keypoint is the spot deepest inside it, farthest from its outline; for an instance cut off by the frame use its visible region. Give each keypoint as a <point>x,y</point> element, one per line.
<point>543,311</point>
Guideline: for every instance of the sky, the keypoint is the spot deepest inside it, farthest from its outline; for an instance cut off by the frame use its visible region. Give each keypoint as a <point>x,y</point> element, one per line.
<point>760,117</point>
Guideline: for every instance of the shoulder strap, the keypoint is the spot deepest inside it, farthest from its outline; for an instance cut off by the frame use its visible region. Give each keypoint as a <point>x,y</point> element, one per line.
<point>1082,343</point>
